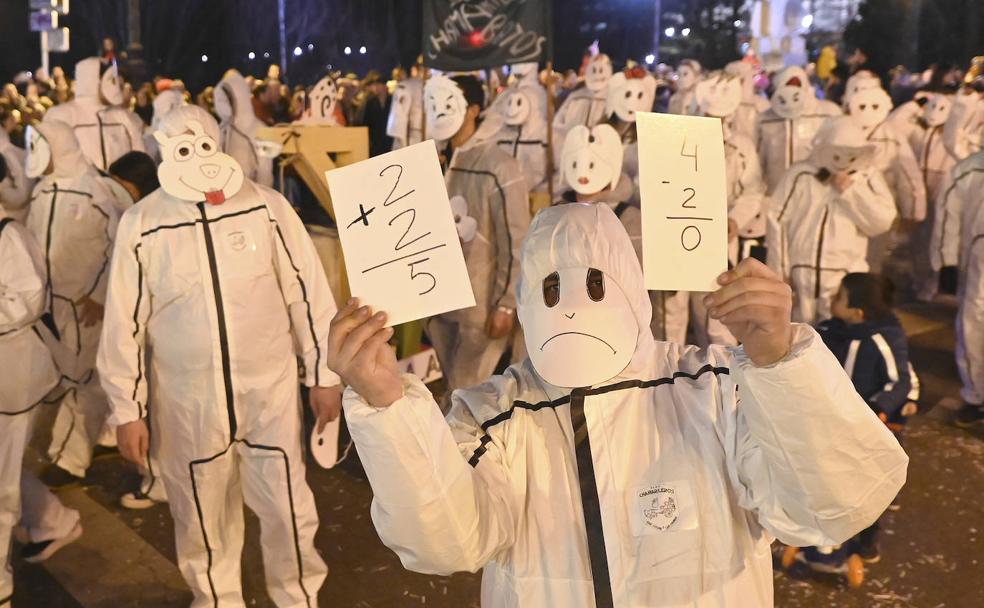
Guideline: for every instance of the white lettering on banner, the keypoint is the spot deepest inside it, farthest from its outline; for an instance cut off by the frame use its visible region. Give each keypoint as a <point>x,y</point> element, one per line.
<point>494,23</point>
<point>396,226</point>
<point>684,201</point>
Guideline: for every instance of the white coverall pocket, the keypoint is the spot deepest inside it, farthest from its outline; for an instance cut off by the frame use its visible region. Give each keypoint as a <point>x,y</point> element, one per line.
<point>665,529</point>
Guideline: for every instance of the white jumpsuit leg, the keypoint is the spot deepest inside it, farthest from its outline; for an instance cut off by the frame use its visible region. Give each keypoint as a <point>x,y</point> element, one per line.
<point>970,327</point>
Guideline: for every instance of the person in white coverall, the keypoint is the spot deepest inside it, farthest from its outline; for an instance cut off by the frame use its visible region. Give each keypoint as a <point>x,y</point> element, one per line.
<point>586,104</point>
<point>218,277</point>
<point>822,215</point>
<point>957,247</point>
<point>73,217</point>
<point>963,133</point>
<point>29,375</point>
<point>15,186</point>
<point>785,132</point>
<point>745,118</point>
<point>238,126</point>
<point>689,73</point>
<point>106,130</point>
<point>610,470</point>
<point>470,342</point>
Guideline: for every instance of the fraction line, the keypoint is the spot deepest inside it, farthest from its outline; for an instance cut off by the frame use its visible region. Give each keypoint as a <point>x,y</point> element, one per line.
<point>684,217</point>
<point>404,257</point>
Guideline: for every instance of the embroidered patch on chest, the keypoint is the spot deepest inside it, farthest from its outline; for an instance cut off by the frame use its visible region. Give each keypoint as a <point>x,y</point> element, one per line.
<point>239,241</point>
<point>659,506</point>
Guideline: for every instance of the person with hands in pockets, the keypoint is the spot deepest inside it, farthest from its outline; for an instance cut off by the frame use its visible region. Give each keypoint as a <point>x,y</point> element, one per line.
<point>608,469</point>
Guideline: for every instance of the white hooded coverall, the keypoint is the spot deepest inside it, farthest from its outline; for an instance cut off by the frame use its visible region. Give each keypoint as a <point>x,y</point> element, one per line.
<point>227,297</point>
<point>238,129</point>
<point>73,217</point>
<point>492,185</point>
<point>15,188</point>
<point>29,375</point>
<point>104,132</point>
<point>817,235</point>
<point>562,495</point>
<point>958,240</point>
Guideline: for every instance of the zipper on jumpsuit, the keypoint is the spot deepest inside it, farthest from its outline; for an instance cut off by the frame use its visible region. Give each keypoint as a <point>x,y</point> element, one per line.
<point>220,317</point>
<point>591,504</point>
<point>823,227</point>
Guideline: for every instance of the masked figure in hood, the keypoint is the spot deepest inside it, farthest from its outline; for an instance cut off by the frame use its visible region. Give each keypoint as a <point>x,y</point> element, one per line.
<point>523,108</point>
<point>470,342</point>
<point>238,126</point>
<point>29,377</point>
<point>217,276</point>
<point>785,132</point>
<point>689,73</point>
<point>406,117</point>
<point>585,105</point>
<point>608,469</point>
<point>163,104</point>
<point>629,92</point>
<point>956,248</point>
<point>822,215</point>
<point>752,104</point>
<point>15,186</point>
<point>906,117</point>
<point>105,130</point>
<point>935,164</point>
<point>73,217</point>
<point>963,132</point>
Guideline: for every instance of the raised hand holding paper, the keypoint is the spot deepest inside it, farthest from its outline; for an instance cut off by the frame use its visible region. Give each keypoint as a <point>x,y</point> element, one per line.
<point>684,205</point>
<point>398,234</point>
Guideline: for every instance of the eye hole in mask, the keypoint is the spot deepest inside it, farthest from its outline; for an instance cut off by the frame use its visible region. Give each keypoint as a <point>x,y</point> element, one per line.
<point>551,289</point>
<point>596,284</point>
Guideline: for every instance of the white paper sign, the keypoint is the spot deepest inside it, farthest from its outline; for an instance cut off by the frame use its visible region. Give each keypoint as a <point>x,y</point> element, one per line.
<point>397,230</point>
<point>684,201</point>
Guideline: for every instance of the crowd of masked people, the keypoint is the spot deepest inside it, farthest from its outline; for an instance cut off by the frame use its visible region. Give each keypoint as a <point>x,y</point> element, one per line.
<point>850,186</point>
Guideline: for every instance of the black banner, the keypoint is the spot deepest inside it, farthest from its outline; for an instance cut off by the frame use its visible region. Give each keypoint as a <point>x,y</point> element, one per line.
<point>464,35</point>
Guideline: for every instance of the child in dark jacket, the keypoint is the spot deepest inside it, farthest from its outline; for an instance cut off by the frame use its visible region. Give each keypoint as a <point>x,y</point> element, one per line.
<point>868,340</point>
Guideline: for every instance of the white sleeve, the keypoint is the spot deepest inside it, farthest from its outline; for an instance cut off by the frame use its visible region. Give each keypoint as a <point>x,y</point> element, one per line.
<point>437,511</point>
<point>122,346</point>
<point>21,286</point>
<point>305,290</point>
<point>15,189</point>
<point>909,182</point>
<point>869,203</point>
<point>806,454</point>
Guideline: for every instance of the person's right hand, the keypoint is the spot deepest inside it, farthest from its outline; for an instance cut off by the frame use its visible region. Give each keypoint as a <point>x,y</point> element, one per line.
<point>842,181</point>
<point>359,352</point>
<point>133,440</point>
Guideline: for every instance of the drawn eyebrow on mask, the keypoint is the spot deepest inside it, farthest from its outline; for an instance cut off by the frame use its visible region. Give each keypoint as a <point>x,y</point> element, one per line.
<point>578,333</point>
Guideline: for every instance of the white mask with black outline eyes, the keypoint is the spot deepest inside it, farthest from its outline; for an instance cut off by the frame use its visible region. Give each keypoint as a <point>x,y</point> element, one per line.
<point>194,169</point>
<point>626,96</point>
<point>38,153</point>
<point>575,329</point>
<point>789,101</point>
<point>937,110</point>
<point>598,73</point>
<point>445,107</point>
<point>110,87</point>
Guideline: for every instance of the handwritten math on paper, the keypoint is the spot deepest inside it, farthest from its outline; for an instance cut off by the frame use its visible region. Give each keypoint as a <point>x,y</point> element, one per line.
<point>398,234</point>
<point>684,201</point>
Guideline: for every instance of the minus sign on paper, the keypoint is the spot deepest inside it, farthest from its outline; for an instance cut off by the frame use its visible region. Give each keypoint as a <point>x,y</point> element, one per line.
<point>683,217</point>
<point>404,257</point>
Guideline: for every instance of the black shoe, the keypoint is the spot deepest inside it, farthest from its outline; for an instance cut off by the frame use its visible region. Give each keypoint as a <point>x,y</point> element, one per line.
<point>54,476</point>
<point>34,553</point>
<point>968,415</point>
<point>870,555</point>
<point>103,451</point>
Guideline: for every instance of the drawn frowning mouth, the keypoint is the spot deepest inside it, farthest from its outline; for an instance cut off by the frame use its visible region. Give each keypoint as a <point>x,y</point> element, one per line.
<point>577,333</point>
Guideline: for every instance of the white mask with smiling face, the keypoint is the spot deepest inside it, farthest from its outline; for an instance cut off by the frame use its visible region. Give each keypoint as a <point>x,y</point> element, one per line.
<point>193,169</point>
<point>840,146</point>
<point>38,153</point>
<point>516,109</point>
<point>598,73</point>
<point>445,106</point>
<point>570,333</point>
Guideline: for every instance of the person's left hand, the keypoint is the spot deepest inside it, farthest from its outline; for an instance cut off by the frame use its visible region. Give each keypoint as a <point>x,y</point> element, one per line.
<point>755,305</point>
<point>90,311</point>
<point>500,324</point>
<point>326,403</point>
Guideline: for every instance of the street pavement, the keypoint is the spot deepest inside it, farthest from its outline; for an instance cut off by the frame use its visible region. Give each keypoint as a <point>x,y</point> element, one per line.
<point>932,547</point>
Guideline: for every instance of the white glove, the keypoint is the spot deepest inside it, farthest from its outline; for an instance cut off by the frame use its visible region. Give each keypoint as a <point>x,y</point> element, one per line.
<point>466,225</point>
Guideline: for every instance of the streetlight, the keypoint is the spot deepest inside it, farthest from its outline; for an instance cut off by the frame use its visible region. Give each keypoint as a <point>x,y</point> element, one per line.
<point>251,55</point>
<point>650,59</point>
<point>670,31</point>
<point>362,50</point>
<point>685,32</point>
<point>297,51</point>
<point>348,50</point>
<point>204,58</point>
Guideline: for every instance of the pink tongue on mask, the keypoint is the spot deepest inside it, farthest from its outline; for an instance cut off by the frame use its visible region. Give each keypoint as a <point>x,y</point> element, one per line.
<point>215,197</point>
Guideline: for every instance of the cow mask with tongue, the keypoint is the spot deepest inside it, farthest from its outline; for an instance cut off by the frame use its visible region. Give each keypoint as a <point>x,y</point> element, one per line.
<point>193,168</point>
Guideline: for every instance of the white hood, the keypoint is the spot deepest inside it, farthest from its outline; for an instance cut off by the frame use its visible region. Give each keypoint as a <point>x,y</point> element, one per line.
<point>87,77</point>
<point>163,104</point>
<point>66,154</point>
<point>233,102</point>
<point>585,236</point>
